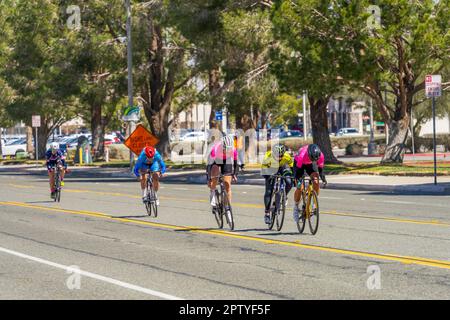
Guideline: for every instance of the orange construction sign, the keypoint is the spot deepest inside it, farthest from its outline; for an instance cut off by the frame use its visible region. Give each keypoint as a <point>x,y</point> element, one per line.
<point>139,139</point>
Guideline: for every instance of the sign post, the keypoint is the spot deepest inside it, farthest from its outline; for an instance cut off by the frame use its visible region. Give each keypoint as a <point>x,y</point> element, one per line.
<point>36,123</point>
<point>433,90</point>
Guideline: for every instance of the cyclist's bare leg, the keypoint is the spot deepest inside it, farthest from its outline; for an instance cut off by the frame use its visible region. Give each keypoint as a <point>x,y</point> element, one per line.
<point>51,176</point>
<point>298,193</point>
<point>227,183</point>
<point>212,183</point>
<point>143,179</point>
<point>316,184</point>
<point>155,181</point>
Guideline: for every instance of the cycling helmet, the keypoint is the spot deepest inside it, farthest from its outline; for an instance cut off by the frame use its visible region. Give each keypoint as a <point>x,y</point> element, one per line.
<point>149,152</point>
<point>228,142</point>
<point>54,146</point>
<point>314,152</point>
<point>278,150</point>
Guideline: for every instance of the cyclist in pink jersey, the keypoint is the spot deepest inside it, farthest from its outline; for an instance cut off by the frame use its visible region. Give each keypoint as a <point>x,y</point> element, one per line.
<point>312,161</point>
<point>223,157</point>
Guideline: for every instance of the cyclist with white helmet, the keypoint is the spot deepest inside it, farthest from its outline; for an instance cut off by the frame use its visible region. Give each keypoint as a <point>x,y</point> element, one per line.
<point>222,158</point>
<point>276,161</point>
<point>53,155</point>
<point>311,160</point>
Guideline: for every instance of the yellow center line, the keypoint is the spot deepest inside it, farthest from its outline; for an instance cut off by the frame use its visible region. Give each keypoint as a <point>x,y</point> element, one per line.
<point>379,256</point>
<point>258,206</point>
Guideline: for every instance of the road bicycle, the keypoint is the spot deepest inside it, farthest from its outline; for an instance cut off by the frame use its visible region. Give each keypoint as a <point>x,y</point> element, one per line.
<point>150,200</point>
<point>57,181</point>
<point>310,206</point>
<point>223,205</point>
<point>278,200</point>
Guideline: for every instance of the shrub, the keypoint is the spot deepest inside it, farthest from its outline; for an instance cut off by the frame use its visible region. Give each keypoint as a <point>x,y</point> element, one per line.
<point>118,152</point>
<point>354,149</point>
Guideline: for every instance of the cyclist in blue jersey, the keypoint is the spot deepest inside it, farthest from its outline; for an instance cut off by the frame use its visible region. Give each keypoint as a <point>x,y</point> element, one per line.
<point>149,159</point>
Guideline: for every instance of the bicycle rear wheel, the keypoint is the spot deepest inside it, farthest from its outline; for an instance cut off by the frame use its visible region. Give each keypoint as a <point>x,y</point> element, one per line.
<point>302,219</point>
<point>218,210</point>
<point>313,218</point>
<point>273,211</point>
<point>57,187</point>
<point>281,206</point>
<point>148,201</point>
<point>227,210</point>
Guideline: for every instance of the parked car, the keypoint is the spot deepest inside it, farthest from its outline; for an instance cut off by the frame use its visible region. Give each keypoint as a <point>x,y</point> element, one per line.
<point>290,134</point>
<point>347,132</point>
<point>13,147</point>
<point>193,136</point>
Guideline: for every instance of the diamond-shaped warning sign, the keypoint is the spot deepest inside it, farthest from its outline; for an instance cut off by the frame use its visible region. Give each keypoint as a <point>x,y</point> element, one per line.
<point>139,139</point>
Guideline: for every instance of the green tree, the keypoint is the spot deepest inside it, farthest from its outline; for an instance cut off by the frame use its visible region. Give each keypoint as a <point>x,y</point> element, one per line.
<point>303,61</point>
<point>100,58</point>
<point>38,68</point>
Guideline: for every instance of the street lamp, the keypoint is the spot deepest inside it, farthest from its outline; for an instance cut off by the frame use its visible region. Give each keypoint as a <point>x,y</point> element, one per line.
<point>130,73</point>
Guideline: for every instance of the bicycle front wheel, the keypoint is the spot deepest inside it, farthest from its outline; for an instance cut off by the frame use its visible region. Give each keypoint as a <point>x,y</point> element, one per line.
<point>218,211</point>
<point>228,211</point>
<point>57,188</point>
<point>313,218</point>
<point>302,219</point>
<point>281,206</point>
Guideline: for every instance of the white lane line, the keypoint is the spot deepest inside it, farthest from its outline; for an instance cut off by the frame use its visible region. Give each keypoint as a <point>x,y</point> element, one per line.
<point>399,202</point>
<point>331,198</point>
<point>93,275</point>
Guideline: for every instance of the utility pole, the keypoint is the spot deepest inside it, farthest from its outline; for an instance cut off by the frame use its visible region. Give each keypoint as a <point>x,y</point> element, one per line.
<point>305,122</point>
<point>130,73</point>
<point>371,146</point>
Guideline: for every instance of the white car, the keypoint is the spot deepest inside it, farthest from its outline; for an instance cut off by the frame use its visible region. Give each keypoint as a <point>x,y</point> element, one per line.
<point>11,149</point>
<point>347,132</point>
<point>194,136</point>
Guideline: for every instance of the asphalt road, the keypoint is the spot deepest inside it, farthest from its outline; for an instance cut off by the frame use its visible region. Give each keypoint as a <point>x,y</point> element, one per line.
<point>100,230</point>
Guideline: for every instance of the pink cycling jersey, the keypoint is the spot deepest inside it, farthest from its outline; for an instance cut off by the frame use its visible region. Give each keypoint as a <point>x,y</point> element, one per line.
<point>302,158</point>
<point>217,153</point>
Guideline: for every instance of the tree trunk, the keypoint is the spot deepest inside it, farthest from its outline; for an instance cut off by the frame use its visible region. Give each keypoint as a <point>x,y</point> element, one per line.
<point>43,133</point>
<point>398,133</point>
<point>158,92</point>
<point>159,126</point>
<point>214,87</point>
<point>319,123</point>
<point>30,146</point>
<point>96,129</point>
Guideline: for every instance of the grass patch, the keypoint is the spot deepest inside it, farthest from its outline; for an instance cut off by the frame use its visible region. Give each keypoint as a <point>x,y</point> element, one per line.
<point>410,169</point>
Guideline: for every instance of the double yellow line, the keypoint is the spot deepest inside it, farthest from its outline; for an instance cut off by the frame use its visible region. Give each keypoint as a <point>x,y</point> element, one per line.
<point>387,257</point>
<point>257,206</point>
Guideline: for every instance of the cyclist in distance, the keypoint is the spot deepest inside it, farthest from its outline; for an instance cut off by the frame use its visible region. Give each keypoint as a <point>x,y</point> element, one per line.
<point>149,159</point>
<point>53,155</point>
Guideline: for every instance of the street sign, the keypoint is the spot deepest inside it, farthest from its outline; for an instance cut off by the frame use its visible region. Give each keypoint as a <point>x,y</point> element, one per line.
<point>131,114</point>
<point>219,115</point>
<point>139,139</point>
<point>433,86</point>
<point>36,121</point>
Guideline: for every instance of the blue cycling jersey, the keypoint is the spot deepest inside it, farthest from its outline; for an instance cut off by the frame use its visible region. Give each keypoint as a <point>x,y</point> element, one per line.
<point>154,164</point>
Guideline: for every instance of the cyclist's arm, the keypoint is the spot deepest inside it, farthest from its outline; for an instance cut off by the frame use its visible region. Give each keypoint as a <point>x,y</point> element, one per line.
<point>162,164</point>
<point>138,164</point>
